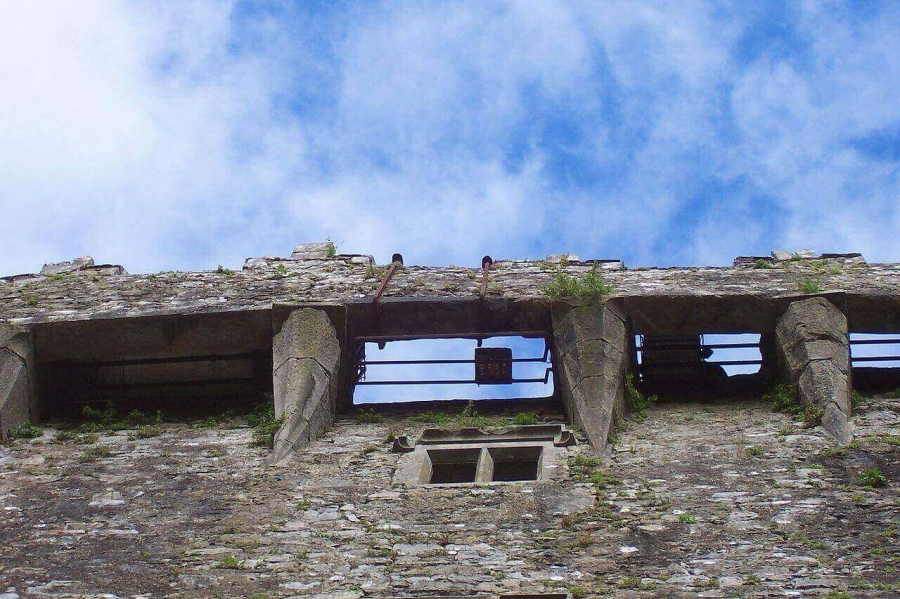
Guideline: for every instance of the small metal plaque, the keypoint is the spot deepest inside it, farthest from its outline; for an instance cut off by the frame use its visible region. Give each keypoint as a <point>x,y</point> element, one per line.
<point>493,365</point>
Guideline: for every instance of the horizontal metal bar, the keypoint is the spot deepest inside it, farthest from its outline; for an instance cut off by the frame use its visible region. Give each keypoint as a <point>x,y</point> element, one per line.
<point>402,362</point>
<point>736,362</point>
<point>644,365</point>
<point>730,345</point>
<point>875,358</point>
<point>380,403</point>
<point>203,383</point>
<point>700,347</point>
<point>142,361</point>
<point>445,382</point>
<point>528,334</point>
<point>874,341</point>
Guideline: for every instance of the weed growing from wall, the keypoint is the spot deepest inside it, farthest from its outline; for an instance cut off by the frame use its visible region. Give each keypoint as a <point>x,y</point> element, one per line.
<point>26,430</point>
<point>784,399</point>
<point>264,424</point>
<point>589,287</point>
<point>636,401</point>
<point>808,285</point>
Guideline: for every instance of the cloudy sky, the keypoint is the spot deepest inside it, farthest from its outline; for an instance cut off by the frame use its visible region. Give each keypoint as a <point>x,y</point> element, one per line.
<point>184,135</point>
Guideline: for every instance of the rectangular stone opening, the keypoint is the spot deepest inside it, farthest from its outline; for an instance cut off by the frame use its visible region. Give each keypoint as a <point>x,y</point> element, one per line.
<point>186,366</point>
<point>452,465</point>
<point>515,463</point>
<point>708,364</point>
<point>875,360</point>
<point>500,367</point>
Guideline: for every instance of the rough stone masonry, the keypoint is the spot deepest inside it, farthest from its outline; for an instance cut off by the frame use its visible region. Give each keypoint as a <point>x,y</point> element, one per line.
<point>722,498</point>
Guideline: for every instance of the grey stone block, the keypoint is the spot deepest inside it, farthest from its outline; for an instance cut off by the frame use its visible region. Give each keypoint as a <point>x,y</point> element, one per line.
<point>313,251</point>
<point>307,333</point>
<point>591,344</point>
<point>306,361</point>
<point>18,401</point>
<point>814,352</point>
<point>58,268</point>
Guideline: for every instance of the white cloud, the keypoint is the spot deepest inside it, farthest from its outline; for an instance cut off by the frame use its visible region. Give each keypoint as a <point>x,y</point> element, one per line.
<point>185,135</point>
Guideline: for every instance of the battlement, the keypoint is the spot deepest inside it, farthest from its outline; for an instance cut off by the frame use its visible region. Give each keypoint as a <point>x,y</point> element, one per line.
<point>313,273</point>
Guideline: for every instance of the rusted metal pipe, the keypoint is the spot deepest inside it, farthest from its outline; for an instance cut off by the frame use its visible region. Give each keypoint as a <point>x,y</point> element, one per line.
<point>396,262</point>
<point>486,263</point>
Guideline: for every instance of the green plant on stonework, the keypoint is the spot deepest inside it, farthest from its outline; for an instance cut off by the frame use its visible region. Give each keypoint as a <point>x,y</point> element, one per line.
<point>783,399</point>
<point>227,417</point>
<point>333,246</point>
<point>110,419</point>
<point>146,431</point>
<point>229,562</point>
<point>525,418</point>
<point>66,436</point>
<point>587,469</point>
<point>26,430</point>
<point>224,271</point>
<point>687,518</point>
<point>601,480</point>
<point>808,285</point>
<point>871,477</point>
<point>799,537</point>
<point>375,272</point>
<point>763,263</point>
<point>581,467</point>
<point>97,451</point>
<point>280,268</point>
<point>636,401</point>
<point>756,451</point>
<point>589,287</point>
<point>468,417</point>
<point>264,425</point>
<point>369,416</point>
<point>31,301</point>
<point>436,418</point>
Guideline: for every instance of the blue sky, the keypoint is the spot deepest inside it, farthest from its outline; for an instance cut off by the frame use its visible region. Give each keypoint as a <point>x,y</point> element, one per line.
<point>191,134</point>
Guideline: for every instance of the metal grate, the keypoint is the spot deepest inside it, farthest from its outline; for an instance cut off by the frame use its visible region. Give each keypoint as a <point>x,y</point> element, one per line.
<point>860,345</point>
<point>686,353</point>
<point>494,366</point>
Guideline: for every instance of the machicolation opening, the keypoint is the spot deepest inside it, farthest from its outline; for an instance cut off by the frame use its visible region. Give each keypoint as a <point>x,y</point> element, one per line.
<point>875,360</point>
<point>706,365</point>
<point>507,367</point>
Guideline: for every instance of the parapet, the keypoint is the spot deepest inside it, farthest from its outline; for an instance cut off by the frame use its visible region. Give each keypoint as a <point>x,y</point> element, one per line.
<point>318,273</point>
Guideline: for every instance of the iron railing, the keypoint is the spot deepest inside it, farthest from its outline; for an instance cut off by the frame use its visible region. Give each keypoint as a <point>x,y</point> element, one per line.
<point>692,349</point>
<point>361,364</point>
<point>866,359</point>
